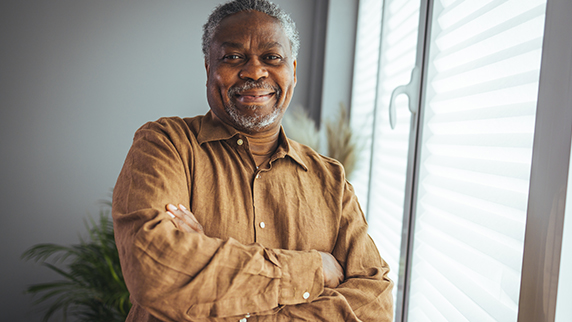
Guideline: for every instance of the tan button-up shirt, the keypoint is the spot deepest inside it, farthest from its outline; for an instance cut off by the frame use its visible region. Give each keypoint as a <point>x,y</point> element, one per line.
<point>258,259</point>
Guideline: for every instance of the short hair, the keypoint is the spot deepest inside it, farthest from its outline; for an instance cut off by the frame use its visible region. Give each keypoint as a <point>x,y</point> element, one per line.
<point>224,10</point>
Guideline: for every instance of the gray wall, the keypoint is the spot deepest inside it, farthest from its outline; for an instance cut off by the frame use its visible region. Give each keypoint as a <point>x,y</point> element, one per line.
<point>77,78</point>
<point>339,56</point>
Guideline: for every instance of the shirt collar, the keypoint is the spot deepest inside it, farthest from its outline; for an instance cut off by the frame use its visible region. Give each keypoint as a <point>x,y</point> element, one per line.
<point>285,148</point>
<point>212,130</point>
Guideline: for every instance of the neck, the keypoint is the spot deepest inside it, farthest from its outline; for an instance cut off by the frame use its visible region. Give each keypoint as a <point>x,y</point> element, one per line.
<point>262,145</point>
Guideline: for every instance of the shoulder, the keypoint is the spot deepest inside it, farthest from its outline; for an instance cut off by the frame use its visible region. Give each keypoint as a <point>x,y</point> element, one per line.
<point>321,165</point>
<point>173,128</point>
<point>172,124</point>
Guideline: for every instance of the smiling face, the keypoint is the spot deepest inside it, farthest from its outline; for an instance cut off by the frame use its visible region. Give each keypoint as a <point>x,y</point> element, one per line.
<point>251,74</point>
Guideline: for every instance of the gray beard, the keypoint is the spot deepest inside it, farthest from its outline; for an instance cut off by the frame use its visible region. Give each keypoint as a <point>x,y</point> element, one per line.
<point>252,123</point>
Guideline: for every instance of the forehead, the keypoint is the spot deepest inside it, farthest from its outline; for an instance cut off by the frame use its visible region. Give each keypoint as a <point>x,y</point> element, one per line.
<point>248,26</point>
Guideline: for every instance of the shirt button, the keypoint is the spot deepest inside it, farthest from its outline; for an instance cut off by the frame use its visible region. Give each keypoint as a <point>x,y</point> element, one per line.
<point>306,295</point>
<point>242,320</point>
<point>262,224</point>
<point>239,141</point>
<point>247,315</point>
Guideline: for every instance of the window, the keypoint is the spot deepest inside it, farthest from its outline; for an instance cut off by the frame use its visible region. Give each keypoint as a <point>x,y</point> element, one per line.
<point>563,307</point>
<point>446,191</point>
<point>386,54</point>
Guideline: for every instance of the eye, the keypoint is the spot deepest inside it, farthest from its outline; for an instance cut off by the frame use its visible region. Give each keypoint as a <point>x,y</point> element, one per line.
<point>231,57</point>
<point>273,59</point>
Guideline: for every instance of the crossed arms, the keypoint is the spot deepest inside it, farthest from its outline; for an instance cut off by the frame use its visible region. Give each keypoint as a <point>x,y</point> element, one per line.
<point>186,221</point>
<point>179,272</point>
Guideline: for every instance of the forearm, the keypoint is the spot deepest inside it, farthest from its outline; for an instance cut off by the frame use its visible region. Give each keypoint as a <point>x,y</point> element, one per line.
<point>357,299</point>
<point>365,294</point>
<point>220,279</point>
<point>225,278</point>
<point>355,289</point>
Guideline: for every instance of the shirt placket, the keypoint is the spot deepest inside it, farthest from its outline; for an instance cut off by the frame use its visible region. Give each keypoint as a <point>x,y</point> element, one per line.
<point>263,222</point>
<point>261,214</point>
<point>242,147</point>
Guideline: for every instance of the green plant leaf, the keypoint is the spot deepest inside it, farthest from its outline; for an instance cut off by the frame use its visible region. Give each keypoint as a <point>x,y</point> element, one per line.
<point>92,288</point>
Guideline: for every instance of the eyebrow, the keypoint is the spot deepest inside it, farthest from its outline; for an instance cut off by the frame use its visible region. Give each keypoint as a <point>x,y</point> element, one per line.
<point>229,44</point>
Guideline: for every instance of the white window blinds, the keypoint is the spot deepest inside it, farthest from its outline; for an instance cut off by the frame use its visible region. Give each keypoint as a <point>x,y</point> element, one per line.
<point>476,126</point>
<point>472,188</point>
<point>385,54</point>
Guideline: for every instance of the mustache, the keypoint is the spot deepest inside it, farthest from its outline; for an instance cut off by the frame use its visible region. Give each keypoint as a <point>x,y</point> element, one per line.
<point>250,84</point>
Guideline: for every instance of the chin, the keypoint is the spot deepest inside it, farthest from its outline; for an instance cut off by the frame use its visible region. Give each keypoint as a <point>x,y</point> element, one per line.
<point>253,123</point>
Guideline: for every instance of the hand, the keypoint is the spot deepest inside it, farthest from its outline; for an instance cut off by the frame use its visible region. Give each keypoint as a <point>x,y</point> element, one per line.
<point>184,219</point>
<point>333,272</point>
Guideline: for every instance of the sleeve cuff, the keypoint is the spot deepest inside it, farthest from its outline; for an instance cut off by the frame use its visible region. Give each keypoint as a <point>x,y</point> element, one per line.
<point>302,277</point>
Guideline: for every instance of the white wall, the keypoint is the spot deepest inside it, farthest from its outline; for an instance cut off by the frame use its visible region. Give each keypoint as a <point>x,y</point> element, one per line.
<point>77,78</point>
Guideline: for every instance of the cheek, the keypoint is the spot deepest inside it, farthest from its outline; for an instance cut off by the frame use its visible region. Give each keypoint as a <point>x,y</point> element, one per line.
<point>289,85</point>
<point>217,74</point>
<point>217,85</point>
<point>216,80</point>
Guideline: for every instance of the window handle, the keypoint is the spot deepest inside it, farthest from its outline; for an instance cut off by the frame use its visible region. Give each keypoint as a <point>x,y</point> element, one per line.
<point>410,89</point>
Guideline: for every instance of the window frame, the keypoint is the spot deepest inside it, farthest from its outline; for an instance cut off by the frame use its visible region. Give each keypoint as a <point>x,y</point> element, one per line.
<point>410,198</point>
<point>549,171</point>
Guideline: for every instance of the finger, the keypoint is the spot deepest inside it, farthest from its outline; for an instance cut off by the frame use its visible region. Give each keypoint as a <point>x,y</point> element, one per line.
<point>339,271</point>
<point>179,224</point>
<point>341,276</point>
<point>333,271</point>
<point>178,216</point>
<point>190,219</point>
<point>179,213</point>
<point>189,214</point>
<point>184,227</point>
<point>186,217</point>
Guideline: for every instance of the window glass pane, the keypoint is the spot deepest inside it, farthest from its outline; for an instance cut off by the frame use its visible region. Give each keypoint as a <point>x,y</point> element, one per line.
<point>380,178</point>
<point>563,307</point>
<point>364,90</point>
<point>476,149</point>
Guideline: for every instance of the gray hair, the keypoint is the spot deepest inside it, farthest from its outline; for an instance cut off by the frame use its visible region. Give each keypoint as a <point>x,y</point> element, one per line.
<point>224,10</point>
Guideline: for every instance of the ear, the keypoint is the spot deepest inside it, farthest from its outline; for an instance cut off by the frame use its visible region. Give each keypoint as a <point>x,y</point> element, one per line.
<point>207,68</point>
<point>295,78</point>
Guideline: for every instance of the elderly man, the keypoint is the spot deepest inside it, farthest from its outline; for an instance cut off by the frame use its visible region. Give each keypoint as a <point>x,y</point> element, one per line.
<point>222,218</point>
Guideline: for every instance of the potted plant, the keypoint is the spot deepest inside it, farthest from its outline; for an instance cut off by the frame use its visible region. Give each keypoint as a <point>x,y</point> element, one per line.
<point>92,286</point>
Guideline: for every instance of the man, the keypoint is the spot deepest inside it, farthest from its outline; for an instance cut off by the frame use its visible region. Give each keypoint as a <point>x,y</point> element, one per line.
<point>222,218</point>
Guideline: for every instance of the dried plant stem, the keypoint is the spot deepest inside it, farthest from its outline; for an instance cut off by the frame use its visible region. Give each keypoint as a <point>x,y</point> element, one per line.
<point>342,143</point>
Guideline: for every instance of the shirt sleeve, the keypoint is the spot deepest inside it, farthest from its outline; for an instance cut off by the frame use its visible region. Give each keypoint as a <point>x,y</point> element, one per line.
<point>179,276</point>
<point>365,294</point>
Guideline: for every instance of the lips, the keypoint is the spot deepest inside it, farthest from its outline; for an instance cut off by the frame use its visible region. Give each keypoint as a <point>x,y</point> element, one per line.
<point>253,97</point>
<point>253,93</point>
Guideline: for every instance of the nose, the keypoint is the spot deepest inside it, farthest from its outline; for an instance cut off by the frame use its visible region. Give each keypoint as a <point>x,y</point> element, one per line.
<point>253,69</point>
